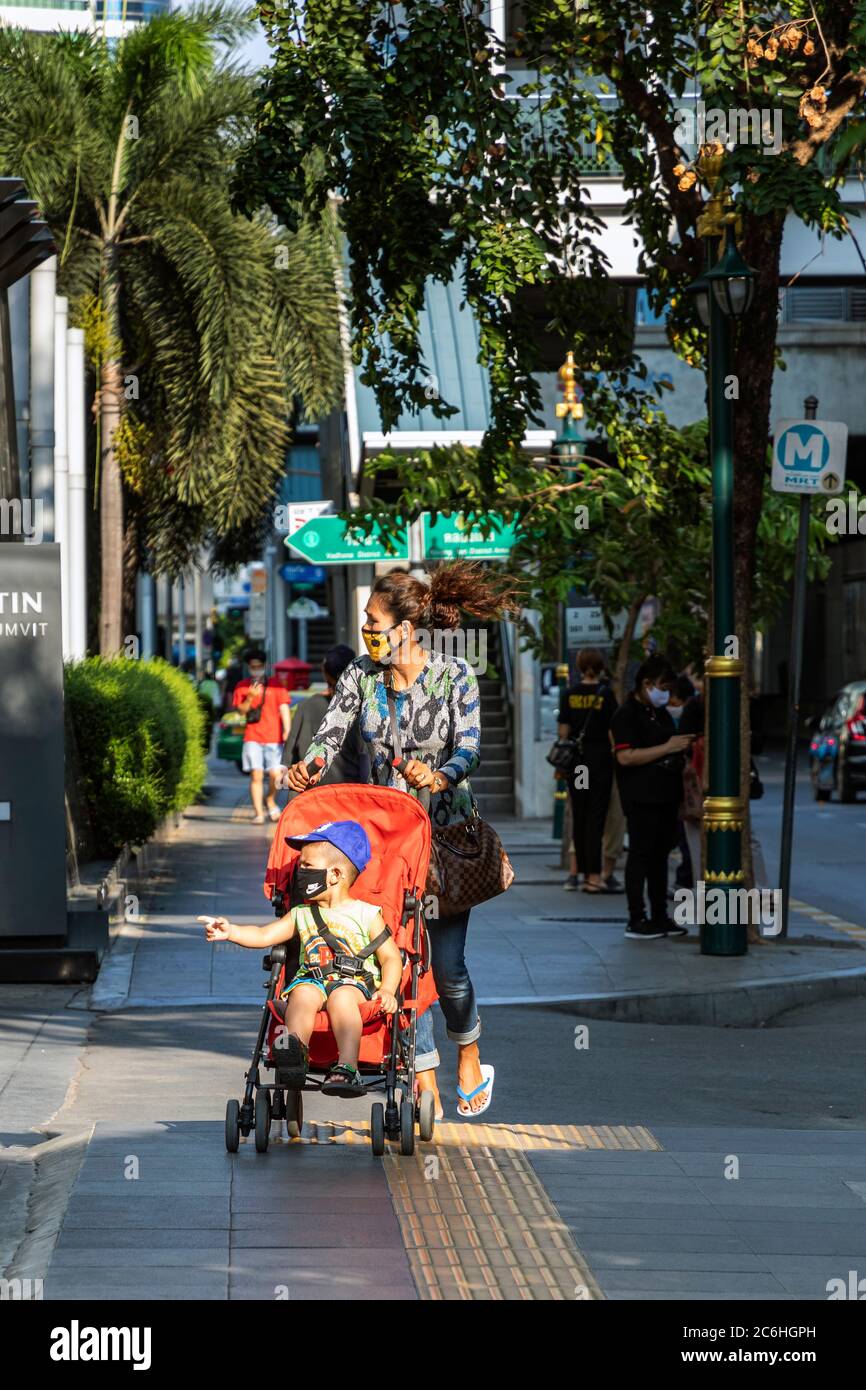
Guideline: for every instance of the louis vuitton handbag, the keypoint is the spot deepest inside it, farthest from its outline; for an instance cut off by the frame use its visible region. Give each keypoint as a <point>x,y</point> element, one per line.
<point>468,863</point>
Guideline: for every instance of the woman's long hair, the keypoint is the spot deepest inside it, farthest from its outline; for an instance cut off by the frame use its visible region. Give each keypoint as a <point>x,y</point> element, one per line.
<point>459,586</point>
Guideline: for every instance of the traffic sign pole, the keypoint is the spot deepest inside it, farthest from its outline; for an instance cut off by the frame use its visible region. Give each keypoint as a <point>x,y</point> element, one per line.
<point>795,666</point>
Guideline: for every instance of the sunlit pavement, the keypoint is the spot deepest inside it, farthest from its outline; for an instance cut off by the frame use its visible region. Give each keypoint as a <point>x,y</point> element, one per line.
<point>618,1160</point>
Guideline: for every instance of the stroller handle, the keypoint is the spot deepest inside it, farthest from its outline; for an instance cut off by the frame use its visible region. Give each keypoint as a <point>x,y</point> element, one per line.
<point>315,765</point>
<point>423,792</point>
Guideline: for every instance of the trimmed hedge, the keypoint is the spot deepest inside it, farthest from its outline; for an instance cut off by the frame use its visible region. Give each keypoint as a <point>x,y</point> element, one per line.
<point>139,737</point>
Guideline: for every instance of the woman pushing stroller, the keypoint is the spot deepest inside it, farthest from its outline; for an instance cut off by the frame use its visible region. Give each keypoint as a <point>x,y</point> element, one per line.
<point>408,694</point>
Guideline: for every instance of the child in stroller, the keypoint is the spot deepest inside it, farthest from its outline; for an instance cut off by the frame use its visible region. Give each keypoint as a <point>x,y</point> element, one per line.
<point>388,892</point>
<point>347,954</point>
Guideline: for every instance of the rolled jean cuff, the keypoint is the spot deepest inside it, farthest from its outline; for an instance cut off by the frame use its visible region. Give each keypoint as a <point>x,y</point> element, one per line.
<point>427,1061</point>
<point>462,1039</point>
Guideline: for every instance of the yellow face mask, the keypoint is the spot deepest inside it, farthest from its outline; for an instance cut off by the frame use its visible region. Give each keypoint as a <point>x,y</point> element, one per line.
<point>377,643</point>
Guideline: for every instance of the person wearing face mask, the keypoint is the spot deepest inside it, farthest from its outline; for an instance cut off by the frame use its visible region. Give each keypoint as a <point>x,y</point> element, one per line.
<point>267,707</point>
<point>327,923</point>
<point>649,766</point>
<point>585,712</point>
<point>435,701</point>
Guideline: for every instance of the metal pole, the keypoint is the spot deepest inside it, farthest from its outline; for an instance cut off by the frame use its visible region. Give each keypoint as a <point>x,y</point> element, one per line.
<point>568,449</point>
<point>795,666</point>
<point>76,444</point>
<point>61,462</point>
<point>42,320</point>
<point>145,593</point>
<point>199,625</point>
<point>181,621</point>
<point>723,807</point>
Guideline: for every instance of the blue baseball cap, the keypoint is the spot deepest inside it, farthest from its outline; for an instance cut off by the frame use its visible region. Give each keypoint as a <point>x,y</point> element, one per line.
<point>347,836</point>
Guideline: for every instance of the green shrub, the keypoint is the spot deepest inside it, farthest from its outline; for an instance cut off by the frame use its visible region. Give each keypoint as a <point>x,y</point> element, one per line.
<point>139,738</point>
<point>207,710</point>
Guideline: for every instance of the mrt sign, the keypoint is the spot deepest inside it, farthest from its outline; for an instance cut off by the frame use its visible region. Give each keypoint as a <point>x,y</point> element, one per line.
<point>809,456</point>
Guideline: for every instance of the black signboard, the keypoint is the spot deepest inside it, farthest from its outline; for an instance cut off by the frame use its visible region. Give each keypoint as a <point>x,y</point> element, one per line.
<point>32,816</point>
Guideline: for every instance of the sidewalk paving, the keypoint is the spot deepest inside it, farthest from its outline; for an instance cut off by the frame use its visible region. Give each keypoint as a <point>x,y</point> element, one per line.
<point>537,945</point>
<point>136,1197</point>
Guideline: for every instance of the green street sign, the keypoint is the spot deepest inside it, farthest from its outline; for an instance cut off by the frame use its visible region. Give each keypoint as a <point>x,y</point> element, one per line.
<point>327,540</point>
<point>453,536</point>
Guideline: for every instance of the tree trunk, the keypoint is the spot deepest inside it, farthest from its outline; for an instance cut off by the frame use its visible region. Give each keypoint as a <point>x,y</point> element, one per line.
<point>623,650</point>
<point>110,514</point>
<point>131,566</point>
<point>754,365</point>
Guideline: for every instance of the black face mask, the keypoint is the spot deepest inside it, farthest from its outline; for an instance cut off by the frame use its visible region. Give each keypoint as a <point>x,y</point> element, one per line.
<point>310,883</point>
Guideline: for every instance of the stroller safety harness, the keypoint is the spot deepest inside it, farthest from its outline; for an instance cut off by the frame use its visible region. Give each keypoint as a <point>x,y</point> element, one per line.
<point>346,966</point>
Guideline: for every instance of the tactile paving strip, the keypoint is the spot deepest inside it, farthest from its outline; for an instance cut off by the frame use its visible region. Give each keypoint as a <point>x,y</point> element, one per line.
<point>514,1137</point>
<point>477,1224</point>
<point>829,919</point>
<point>475,1219</point>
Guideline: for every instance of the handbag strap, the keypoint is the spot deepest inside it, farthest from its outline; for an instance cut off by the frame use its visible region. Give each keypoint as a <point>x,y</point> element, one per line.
<point>423,793</point>
<point>392,713</point>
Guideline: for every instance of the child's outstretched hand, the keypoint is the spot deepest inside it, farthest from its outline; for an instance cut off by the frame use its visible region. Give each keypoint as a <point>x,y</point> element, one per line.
<point>387,1002</point>
<point>215,928</point>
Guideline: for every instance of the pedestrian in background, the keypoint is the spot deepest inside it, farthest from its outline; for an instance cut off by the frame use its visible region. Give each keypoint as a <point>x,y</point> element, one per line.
<point>681,694</point>
<point>649,770</point>
<point>692,808</point>
<point>585,712</point>
<point>267,708</point>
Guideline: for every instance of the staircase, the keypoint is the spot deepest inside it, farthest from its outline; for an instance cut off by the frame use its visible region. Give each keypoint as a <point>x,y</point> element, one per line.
<point>321,637</point>
<point>321,633</point>
<point>493,783</point>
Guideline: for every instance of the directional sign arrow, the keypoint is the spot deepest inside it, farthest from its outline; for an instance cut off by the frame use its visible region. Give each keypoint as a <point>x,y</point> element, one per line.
<point>328,540</point>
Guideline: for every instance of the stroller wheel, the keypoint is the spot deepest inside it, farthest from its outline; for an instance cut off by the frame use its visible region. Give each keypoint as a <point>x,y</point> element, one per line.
<point>233,1126</point>
<point>294,1108</point>
<point>377,1129</point>
<point>426,1115</point>
<point>407,1128</point>
<point>263,1121</point>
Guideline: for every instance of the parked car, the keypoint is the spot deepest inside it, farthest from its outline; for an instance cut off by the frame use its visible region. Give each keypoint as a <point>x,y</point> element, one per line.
<point>837,751</point>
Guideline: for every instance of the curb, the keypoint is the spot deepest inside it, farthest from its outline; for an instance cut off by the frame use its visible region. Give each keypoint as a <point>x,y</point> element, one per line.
<point>110,989</point>
<point>744,1005</point>
<point>57,1165</point>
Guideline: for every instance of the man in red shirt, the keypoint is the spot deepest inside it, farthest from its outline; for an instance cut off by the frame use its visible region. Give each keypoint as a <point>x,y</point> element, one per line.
<point>267,708</point>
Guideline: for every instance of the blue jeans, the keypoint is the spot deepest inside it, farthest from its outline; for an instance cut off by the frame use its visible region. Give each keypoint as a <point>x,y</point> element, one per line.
<point>456,995</point>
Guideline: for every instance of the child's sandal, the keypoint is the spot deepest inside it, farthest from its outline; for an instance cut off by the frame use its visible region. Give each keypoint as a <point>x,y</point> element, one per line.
<point>291,1058</point>
<point>343,1080</point>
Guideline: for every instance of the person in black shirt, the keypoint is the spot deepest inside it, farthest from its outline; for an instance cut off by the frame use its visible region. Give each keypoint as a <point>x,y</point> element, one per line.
<point>649,769</point>
<point>585,712</point>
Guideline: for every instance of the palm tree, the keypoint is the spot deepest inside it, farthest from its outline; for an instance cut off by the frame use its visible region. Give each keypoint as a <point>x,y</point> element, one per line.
<point>206,330</point>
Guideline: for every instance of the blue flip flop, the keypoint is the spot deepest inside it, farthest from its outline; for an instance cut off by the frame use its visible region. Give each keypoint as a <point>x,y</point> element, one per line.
<point>488,1073</point>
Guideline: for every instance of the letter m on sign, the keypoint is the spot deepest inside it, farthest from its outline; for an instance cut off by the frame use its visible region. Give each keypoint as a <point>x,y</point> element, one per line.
<point>804,455</point>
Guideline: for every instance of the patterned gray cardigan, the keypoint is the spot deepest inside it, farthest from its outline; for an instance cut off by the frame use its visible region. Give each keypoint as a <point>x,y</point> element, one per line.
<point>439,718</point>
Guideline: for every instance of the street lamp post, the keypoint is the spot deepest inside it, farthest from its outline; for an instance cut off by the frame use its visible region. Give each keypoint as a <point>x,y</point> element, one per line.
<point>568,449</point>
<point>722,294</point>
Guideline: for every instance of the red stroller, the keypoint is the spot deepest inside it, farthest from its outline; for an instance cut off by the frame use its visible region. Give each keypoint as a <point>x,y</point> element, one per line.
<point>399,832</point>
